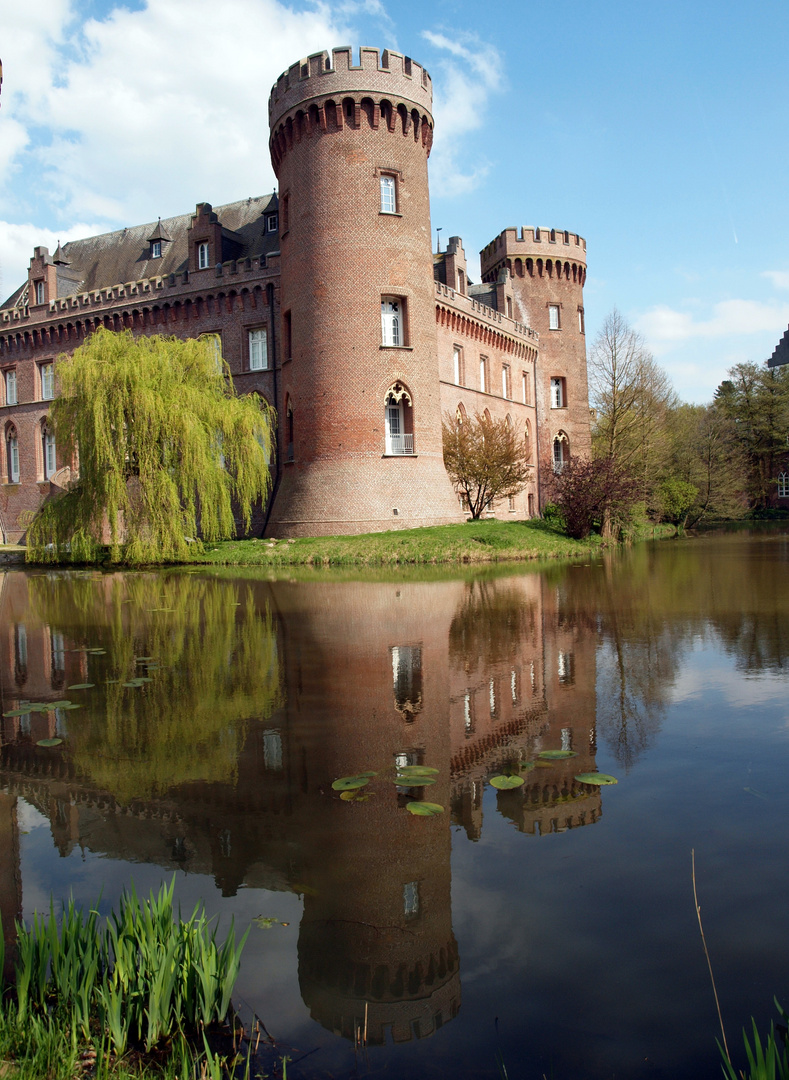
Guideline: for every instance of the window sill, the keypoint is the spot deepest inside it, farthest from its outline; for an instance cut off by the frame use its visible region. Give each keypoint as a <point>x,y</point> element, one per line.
<point>399,455</point>
<point>396,348</point>
<point>389,213</point>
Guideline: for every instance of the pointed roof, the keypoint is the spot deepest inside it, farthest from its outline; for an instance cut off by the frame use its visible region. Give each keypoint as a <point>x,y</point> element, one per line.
<point>160,233</point>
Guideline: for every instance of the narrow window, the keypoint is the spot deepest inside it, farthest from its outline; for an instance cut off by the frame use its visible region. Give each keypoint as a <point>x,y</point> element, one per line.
<point>483,374</point>
<point>783,485</point>
<point>258,350</point>
<point>40,292</point>
<point>271,223</point>
<point>48,453</point>
<point>398,422</point>
<point>557,393</point>
<point>285,213</point>
<point>388,195</point>
<point>457,365</point>
<point>156,249</point>
<point>288,335</point>
<point>525,388</point>
<point>553,316</point>
<point>581,321</point>
<point>505,381</point>
<point>391,321</point>
<point>272,750</point>
<point>10,387</point>
<point>411,899</point>
<point>215,341</point>
<point>12,456</point>
<point>561,454</point>
<point>289,448</point>
<point>512,504</point>
<point>47,373</point>
<point>461,282</point>
<point>509,307</point>
<point>202,256</point>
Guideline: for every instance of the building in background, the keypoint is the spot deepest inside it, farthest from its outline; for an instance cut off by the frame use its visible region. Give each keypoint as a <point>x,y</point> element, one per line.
<point>327,300</point>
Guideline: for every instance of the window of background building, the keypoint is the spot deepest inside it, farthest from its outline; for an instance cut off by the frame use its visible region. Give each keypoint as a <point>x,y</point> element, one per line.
<point>457,365</point>
<point>40,292</point>
<point>553,316</point>
<point>48,454</point>
<point>783,485</point>
<point>388,194</point>
<point>558,397</point>
<point>258,349</point>
<point>483,374</point>
<point>461,282</point>
<point>47,376</point>
<point>156,249</point>
<point>391,321</point>
<point>12,456</point>
<point>525,387</point>
<point>581,320</point>
<point>215,341</point>
<point>271,223</point>
<point>202,256</point>
<point>505,380</point>
<point>10,387</point>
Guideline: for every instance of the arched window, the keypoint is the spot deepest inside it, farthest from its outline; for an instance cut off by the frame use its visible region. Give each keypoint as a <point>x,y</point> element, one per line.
<point>561,452</point>
<point>783,485</point>
<point>399,421</point>
<point>527,439</point>
<point>12,455</point>
<point>48,452</point>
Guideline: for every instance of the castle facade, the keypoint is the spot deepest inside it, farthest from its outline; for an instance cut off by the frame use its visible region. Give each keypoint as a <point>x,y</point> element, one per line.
<point>326,299</point>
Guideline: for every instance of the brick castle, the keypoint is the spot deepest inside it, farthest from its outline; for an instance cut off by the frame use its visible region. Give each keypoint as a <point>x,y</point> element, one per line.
<point>327,300</point>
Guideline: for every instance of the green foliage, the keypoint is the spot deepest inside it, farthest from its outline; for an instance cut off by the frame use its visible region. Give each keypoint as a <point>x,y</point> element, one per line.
<point>144,978</point>
<point>765,1062</point>
<point>486,460</point>
<point>166,450</point>
<point>676,499</point>
<point>705,454</point>
<point>599,493</point>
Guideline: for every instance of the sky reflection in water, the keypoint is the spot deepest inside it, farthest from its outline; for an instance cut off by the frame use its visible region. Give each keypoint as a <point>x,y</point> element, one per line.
<point>564,911</point>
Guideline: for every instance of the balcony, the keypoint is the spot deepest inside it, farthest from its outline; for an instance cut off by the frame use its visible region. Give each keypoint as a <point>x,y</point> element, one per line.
<point>397,445</point>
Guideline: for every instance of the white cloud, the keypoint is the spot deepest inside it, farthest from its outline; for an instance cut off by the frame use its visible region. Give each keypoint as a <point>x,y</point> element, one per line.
<point>16,245</point>
<point>460,102</point>
<point>664,326</point>
<point>779,278</point>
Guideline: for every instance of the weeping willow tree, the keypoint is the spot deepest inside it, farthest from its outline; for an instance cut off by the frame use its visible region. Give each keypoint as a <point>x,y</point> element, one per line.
<point>166,450</point>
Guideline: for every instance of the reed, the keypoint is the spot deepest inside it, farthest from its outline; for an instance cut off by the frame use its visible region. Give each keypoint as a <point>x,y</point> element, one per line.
<point>146,980</point>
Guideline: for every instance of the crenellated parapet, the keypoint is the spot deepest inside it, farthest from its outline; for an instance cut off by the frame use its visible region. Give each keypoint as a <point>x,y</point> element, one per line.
<point>470,318</point>
<point>385,91</point>
<point>530,252</point>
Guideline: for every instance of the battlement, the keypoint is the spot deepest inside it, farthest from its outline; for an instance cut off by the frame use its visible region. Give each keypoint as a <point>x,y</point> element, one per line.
<point>483,312</point>
<point>540,242</point>
<point>387,73</point>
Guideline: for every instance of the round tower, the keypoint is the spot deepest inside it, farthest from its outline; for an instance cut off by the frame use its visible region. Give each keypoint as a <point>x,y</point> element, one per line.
<point>548,268</point>
<point>360,416</point>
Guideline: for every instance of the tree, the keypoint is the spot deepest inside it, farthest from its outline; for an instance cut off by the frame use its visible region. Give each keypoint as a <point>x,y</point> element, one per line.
<point>632,396</point>
<point>706,456</point>
<point>485,459</point>
<point>165,450</point>
<point>598,492</point>
<point>755,399</point>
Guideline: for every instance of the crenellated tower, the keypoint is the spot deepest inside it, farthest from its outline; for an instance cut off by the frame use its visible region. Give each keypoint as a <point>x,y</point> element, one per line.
<point>548,268</point>
<point>360,415</point>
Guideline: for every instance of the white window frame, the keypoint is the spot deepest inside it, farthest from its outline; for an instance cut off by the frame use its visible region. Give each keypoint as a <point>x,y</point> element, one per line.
<point>47,376</point>
<point>49,453</point>
<point>392,321</point>
<point>525,387</point>
<point>505,381</point>
<point>581,327</point>
<point>557,392</point>
<point>156,249</point>
<point>388,192</point>
<point>12,454</point>
<point>457,364</point>
<point>258,349</point>
<point>40,292</point>
<point>271,223</point>
<point>483,374</point>
<point>202,255</point>
<point>10,387</point>
<point>783,485</point>
<point>554,318</point>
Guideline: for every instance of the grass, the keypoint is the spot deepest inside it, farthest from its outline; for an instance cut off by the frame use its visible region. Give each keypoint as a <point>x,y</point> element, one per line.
<point>473,542</point>
<point>140,995</point>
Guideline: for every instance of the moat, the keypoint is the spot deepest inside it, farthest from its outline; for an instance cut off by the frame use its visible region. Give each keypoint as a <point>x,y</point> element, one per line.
<point>553,923</point>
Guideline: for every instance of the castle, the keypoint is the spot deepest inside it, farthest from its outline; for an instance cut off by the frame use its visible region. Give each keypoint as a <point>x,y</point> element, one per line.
<point>327,300</point>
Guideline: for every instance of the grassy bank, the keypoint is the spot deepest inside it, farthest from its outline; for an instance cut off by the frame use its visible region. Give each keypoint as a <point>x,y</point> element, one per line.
<point>472,542</point>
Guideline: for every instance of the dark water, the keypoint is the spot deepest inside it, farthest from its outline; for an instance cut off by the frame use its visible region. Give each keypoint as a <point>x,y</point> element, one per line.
<point>553,924</point>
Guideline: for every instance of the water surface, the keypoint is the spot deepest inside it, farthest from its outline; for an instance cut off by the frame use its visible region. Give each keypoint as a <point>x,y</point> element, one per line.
<point>553,924</point>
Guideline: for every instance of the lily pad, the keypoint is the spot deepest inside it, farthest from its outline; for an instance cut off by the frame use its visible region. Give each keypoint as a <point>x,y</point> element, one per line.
<point>135,683</point>
<point>71,705</point>
<point>17,712</point>
<point>504,783</point>
<point>557,755</point>
<point>49,742</point>
<point>143,659</point>
<point>598,778</point>
<point>416,770</point>
<point>425,809</point>
<point>527,766</point>
<point>82,686</point>
<point>96,652</point>
<point>355,795</point>
<point>414,781</point>
<point>351,783</point>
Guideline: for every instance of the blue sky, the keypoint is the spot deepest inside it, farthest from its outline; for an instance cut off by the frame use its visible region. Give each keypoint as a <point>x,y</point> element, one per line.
<point>657,131</point>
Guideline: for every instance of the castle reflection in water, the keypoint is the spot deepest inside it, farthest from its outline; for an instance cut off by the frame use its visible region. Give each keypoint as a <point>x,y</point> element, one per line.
<point>261,694</point>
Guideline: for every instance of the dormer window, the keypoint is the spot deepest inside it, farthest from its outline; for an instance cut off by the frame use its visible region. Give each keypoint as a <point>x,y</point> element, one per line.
<point>40,292</point>
<point>271,223</point>
<point>156,249</point>
<point>202,256</point>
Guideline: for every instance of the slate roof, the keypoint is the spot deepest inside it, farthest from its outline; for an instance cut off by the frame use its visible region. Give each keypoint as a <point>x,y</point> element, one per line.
<point>484,294</point>
<point>781,352</point>
<point>114,258</point>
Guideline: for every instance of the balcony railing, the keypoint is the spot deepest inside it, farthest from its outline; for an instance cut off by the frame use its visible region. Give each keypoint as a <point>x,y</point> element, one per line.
<point>401,444</point>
